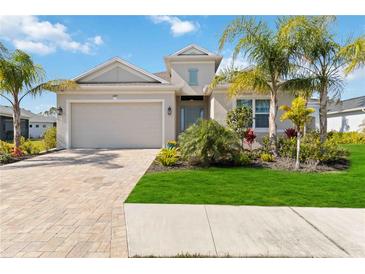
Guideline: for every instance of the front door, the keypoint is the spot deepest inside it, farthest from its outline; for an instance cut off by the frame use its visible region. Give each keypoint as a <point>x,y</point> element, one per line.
<point>189,115</point>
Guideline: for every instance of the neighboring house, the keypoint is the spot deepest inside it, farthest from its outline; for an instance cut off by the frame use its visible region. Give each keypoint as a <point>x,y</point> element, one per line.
<point>119,105</point>
<point>346,115</point>
<point>31,125</point>
<point>6,123</point>
<point>38,124</point>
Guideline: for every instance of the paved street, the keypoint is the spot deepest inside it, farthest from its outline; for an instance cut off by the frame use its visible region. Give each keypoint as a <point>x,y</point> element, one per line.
<point>244,231</point>
<point>68,203</point>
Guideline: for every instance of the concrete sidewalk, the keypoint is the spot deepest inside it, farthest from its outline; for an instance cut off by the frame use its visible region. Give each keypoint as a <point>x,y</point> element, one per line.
<point>244,231</point>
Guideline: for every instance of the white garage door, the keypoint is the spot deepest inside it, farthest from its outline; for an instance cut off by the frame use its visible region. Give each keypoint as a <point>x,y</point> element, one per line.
<point>116,125</point>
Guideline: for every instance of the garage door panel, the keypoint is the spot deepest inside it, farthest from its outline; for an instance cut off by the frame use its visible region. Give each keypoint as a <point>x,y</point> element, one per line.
<point>116,125</point>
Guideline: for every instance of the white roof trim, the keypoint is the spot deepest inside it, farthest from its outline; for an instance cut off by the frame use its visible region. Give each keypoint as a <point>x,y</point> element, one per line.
<point>347,110</point>
<point>190,47</point>
<point>123,62</point>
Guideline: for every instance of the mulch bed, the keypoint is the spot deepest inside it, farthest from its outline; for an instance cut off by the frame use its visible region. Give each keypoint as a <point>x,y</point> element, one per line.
<point>279,164</point>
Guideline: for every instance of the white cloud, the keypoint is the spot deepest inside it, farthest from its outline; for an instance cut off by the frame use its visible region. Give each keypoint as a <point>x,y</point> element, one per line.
<point>31,34</point>
<point>357,74</point>
<point>98,40</point>
<point>34,47</point>
<point>178,27</point>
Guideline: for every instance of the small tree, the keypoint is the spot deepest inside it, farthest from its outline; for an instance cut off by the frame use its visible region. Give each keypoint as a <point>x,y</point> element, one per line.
<point>240,119</point>
<point>299,114</point>
<point>19,77</point>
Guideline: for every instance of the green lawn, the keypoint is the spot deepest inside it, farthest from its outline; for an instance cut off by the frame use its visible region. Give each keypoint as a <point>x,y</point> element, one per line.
<point>257,186</point>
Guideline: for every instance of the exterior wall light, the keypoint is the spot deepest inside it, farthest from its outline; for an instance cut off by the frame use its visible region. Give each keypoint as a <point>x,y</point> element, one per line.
<point>115,97</point>
<point>169,110</point>
<point>59,111</point>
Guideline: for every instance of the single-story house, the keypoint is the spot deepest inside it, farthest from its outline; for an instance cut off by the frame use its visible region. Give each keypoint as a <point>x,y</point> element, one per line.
<point>38,124</point>
<point>6,123</point>
<point>119,105</point>
<point>346,115</point>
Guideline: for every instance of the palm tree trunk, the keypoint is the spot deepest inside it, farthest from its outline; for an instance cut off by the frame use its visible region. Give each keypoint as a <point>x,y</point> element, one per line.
<point>297,163</point>
<point>272,121</point>
<point>16,122</point>
<point>323,115</point>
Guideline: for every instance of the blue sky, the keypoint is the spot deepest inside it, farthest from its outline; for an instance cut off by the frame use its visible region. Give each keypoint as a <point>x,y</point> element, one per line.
<point>66,46</point>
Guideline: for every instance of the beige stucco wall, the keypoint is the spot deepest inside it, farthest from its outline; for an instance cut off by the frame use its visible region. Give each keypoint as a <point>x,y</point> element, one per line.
<point>167,96</point>
<point>220,104</point>
<point>180,76</point>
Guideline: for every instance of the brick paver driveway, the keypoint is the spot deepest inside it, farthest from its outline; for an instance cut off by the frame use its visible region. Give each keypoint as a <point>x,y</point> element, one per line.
<point>68,203</point>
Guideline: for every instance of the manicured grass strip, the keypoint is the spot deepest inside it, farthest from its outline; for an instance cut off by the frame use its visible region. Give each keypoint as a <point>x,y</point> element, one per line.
<point>255,186</point>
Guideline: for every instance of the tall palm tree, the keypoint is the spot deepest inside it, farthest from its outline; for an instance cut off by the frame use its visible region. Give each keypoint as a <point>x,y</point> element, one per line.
<point>324,60</point>
<point>19,77</point>
<point>271,71</point>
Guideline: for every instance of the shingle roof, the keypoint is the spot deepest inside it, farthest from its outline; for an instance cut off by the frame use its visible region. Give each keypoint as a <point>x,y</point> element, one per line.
<point>353,103</point>
<point>26,114</point>
<point>42,119</point>
<point>164,75</point>
<point>8,111</point>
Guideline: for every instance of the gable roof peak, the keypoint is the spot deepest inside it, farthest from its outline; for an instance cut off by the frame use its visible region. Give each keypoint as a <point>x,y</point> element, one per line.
<point>192,49</point>
<point>117,59</point>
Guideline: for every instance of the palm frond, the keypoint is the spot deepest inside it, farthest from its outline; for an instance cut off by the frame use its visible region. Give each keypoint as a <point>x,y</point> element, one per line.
<point>354,53</point>
<point>247,81</point>
<point>54,85</point>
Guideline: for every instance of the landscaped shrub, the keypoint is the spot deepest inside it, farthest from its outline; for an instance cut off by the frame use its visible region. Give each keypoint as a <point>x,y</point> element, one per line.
<point>291,132</point>
<point>28,147</point>
<point>250,137</point>
<point>171,144</point>
<point>17,152</point>
<point>208,142</point>
<point>50,138</point>
<point>242,159</point>
<point>266,147</point>
<point>267,157</point>
<point>5,148</point>
<point>311,149</point>
<point>240,119</point>
<point>287,147</point>
<point>5,158</point>
<point>168,156</point>
<point>352,137</point>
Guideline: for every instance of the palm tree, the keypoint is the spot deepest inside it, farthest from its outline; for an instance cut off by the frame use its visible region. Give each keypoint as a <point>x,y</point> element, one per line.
<point>321,58</point>
<point>271,72</point>
<point>51,112</point>
<point>299,114</point>
<point>19,77</point>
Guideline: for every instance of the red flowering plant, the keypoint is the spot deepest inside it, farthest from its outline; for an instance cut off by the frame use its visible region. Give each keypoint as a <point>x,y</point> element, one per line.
<point>16,152</point>
<point>250,137</point>
<point>291,133</point>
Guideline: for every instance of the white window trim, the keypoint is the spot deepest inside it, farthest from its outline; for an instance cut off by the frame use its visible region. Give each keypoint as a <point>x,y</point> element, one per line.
<point>69,114</point>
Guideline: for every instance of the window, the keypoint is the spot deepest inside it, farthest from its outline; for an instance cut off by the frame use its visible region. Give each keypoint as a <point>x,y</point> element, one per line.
<point>44,126</point>
<point>262,110</point>
<point>30,125</point>
<point>193,77</point>
<point>244,103</point>
<point>36,126</point>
